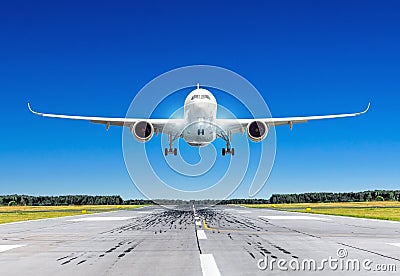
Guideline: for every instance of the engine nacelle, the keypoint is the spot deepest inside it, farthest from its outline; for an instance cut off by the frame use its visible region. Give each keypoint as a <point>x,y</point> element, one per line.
<point>142,131</point>
<point>257,131</point>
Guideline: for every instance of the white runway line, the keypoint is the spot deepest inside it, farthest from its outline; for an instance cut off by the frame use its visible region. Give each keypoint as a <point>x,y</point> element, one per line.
<point>198,223</point>
<point>5,247</point>
<point>393,243</point>
<point>56,218</point>
<point>101,219</point>
<point>145,212</point>
<point>293,218</point>
<point>237,211</point>
<point>208,265</point>
<point>201,235</point>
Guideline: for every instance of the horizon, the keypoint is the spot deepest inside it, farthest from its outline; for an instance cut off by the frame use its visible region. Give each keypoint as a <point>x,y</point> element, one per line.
<point>188,200</point>
<point>308,58</point>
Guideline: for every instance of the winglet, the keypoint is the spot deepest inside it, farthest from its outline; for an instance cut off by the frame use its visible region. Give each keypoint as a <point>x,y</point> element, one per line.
<point>31,110</point>
<point>365,111</point>
<point>29,107</point>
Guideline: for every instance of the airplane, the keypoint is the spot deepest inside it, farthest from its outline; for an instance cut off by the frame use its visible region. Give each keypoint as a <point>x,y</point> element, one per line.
<point>200,125</point>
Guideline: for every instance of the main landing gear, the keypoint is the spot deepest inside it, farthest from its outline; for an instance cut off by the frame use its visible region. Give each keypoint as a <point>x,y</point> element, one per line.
<point>170,150</point>
<point>228,149</point>
<point>173,151</point>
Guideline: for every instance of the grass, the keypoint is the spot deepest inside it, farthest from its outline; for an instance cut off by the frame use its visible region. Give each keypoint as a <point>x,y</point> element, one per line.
<point>23,213</point>
<point>385,210</point>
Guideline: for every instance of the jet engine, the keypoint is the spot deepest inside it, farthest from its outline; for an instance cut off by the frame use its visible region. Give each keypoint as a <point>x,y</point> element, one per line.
<point>142,131</point>
<point>257,131</point>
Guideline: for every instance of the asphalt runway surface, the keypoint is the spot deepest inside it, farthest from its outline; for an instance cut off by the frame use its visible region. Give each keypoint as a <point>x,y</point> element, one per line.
<point>223,240</point>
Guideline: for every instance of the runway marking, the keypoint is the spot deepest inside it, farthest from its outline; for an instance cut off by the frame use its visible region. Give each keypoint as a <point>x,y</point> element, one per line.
<point>205,225</point>
<point>198,223</point>
<point>5,247</point>
<point>366,219</point>
<point>393,243</point>
<point>145,212</point>
<point>201,235</point>
<point>293,218</point>
<point>208,265</point>
<point>56,218</point>
<point>101,219</point>
<point>237,211</point>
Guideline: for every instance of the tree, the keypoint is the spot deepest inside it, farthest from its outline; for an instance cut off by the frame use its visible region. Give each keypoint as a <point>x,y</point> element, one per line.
<point>379,198</point>
<point>12,203</point>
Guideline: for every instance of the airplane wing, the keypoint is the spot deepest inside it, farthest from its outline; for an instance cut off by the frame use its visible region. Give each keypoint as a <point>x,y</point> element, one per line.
<point>239,125</point>
<point>167,126</point>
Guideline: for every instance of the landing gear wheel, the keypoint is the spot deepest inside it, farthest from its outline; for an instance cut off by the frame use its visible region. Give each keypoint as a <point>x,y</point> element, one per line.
<point>223,151</point>
<point>232,151</point>
<point>166,151</point>
<point>175,151</point>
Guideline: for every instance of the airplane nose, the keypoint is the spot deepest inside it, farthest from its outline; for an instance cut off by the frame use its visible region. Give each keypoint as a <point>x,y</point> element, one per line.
<point>202,110</point>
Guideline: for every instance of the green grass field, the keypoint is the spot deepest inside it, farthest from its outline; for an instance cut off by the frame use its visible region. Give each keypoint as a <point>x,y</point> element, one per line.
<point>385,210</point>
<point>22,213</point>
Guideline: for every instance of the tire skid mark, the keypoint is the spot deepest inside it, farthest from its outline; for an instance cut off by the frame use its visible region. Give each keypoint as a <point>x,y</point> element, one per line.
<point>253,244</point>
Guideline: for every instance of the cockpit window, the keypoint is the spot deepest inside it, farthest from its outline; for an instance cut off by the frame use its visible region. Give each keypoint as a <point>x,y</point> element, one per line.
<point>201,97</point>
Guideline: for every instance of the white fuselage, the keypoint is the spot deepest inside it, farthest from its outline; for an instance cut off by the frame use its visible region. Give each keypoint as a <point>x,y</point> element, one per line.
<point>200,112</point>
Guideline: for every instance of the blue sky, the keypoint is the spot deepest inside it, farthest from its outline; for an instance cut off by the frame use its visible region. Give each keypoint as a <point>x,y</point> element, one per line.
<point>305,57</point>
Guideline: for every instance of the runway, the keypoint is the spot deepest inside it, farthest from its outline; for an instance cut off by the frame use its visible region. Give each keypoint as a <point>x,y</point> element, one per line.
<point>224,240</point>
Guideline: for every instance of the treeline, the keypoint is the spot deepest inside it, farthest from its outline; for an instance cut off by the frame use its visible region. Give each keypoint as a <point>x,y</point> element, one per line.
<point>26,200</point>
<point>244,201</point>
<point>387,195</point>
<point>336,197</point>
<point>186,202</point>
